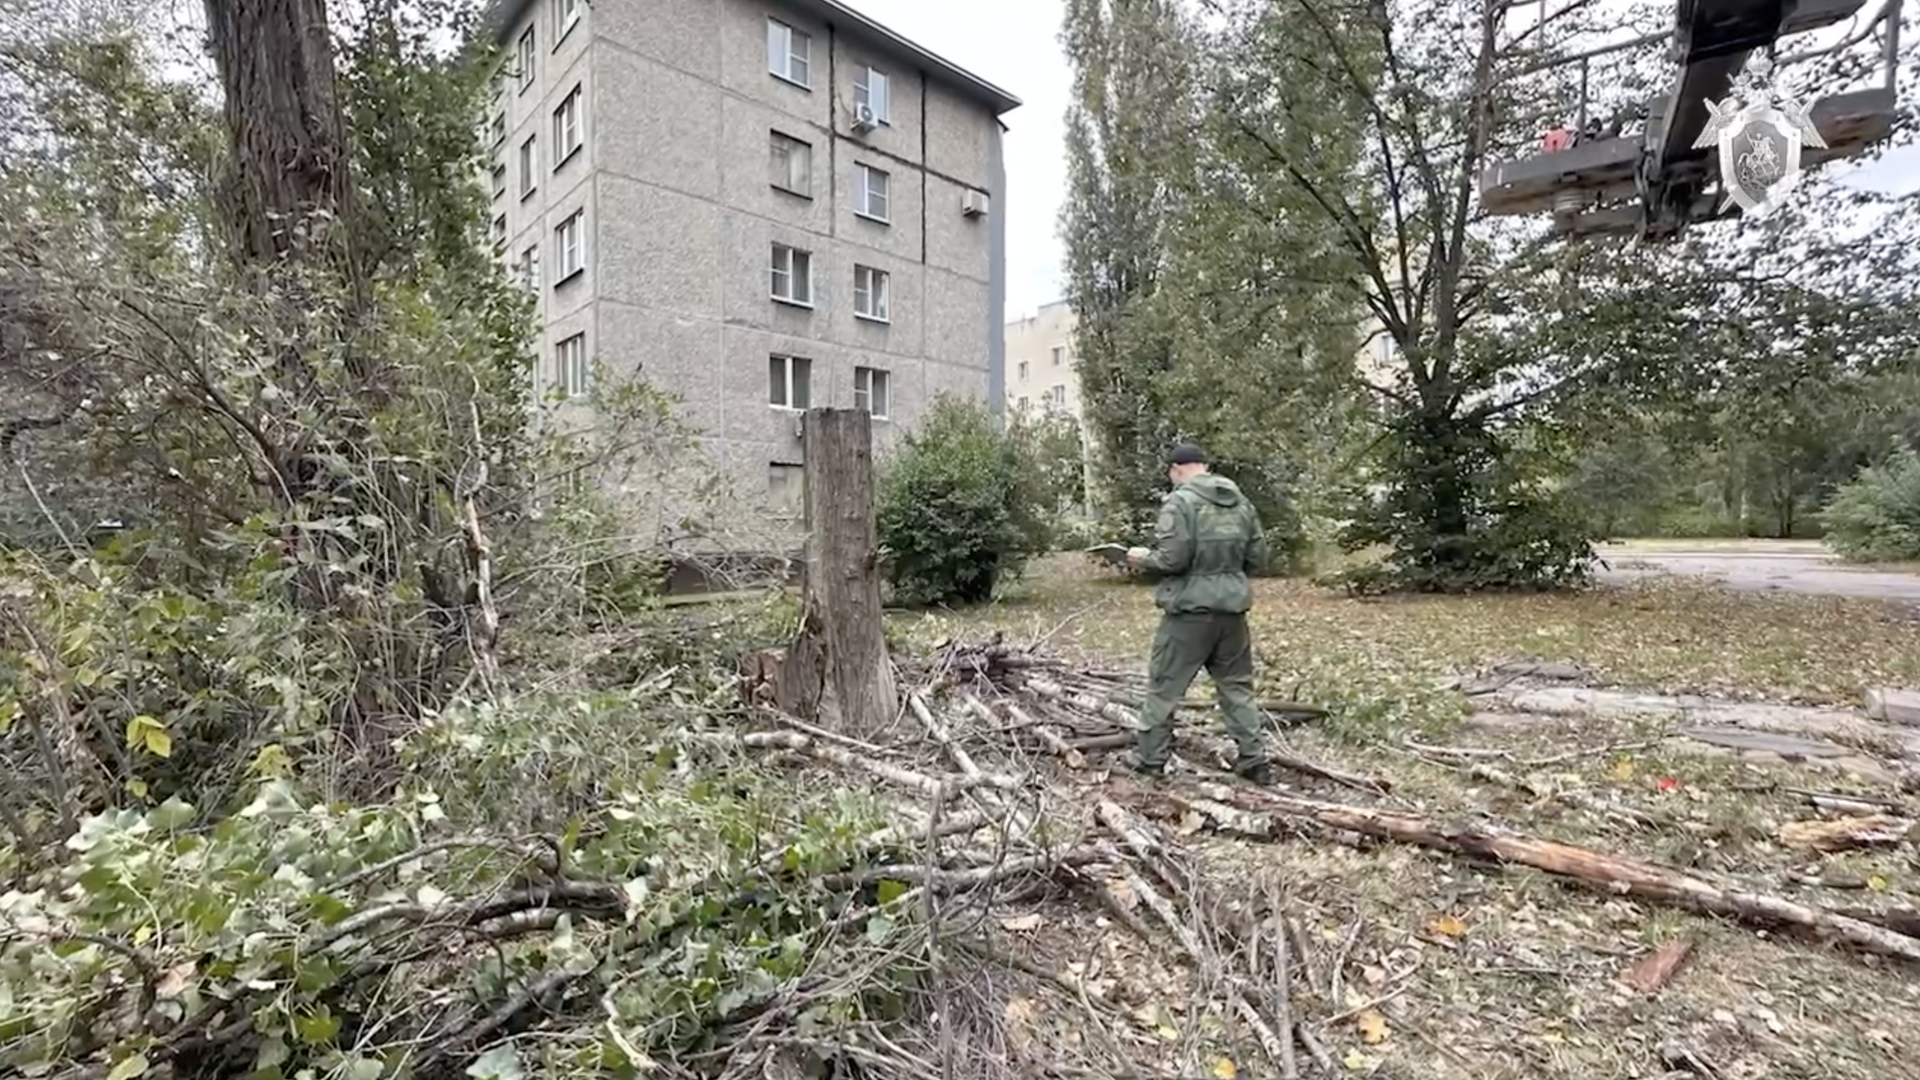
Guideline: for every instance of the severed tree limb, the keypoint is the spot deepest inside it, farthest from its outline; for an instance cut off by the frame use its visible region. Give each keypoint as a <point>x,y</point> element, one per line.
<point>1611,873</point>
<point>1050,735</point>
<point>1282,990</point>
<point>934,788</point>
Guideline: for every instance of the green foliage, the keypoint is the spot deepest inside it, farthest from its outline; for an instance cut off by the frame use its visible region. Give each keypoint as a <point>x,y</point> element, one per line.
<point>1459,515</point>
<point>344,933</point>
<point>1054,450</point>
<point>1875,517</point>
<point>958,507</point>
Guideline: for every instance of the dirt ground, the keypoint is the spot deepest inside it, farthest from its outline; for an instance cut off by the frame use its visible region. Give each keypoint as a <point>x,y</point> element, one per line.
<point>1425,964</point>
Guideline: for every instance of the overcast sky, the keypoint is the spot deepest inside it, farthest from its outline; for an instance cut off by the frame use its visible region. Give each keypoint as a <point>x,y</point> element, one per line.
<point>1015,45</point>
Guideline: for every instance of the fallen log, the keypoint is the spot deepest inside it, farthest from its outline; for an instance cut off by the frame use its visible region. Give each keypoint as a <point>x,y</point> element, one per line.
<point>1611,873</point>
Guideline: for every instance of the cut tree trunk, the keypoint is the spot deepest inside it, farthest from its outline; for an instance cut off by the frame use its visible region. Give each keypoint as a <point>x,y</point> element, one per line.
<point>841,634</point>
<point>1610,873</point>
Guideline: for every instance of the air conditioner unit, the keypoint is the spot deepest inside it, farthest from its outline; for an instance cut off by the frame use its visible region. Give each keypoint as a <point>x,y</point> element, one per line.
<point>974,203</point>
<point>863,119</point>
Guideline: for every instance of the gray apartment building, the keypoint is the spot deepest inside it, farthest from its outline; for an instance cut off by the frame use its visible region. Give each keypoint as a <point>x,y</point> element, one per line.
<point>759,206</point>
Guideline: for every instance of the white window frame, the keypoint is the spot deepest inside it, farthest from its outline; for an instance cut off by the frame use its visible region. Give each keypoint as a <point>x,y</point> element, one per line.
<point>794,371</point>
<point>499,179</point>
<point>530,267</point>
<point>1059,355</point>
<point>568,127</point>
<point>1024,404</point>
<point>566,16</point>
<point>572,368</point>
<point>864,176</point>
<point>872,294</point>
<point>1023,370</point>
<point>788,46</point>
<point>529,165</point>
<point>865,82</point>
<point>795,265</point>
<point>497,129</point>
<point>526,55</point>
<point>570,248</point>
<point>781,143</point>
<point>875,386</point>
<point>1057,396</point>
<point>794,497</point>
<point>498,233</point>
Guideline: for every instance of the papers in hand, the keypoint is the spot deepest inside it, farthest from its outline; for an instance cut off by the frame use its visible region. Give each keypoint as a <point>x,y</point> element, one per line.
<point>1115,554</point>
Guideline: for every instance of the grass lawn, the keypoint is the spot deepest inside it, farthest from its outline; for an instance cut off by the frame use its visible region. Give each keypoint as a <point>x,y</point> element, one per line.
<point>1425,965</point>
<point>1667,634</point>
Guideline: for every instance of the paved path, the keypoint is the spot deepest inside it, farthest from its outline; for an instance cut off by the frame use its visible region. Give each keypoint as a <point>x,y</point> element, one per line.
<point>1782,567</point>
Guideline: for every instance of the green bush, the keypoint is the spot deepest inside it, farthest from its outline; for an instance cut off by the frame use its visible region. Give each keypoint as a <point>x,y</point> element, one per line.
<point>959,507</point>
<point>1875,517</point>
<point>1458,514</point>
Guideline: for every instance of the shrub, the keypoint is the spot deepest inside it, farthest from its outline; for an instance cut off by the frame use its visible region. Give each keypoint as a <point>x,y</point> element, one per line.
<point>958,508</point>
<point>1458,515</point>
<point>1875,517</point>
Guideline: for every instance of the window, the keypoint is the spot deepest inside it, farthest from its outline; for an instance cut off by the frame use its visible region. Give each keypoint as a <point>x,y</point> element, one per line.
<point>870,192</point>
<point>529,165</point>
<point>566,129</point>
<point>1023,371</point>
<point>791,164</point>
<point>786,487</point>
<point>525,57</point>
<point>571,374</point>
<point>792,275</point>
<point>871,88</point>
<point>568,240</point>
<point>870,391</point>
<point>499,234</point>
<point>1059,355</point>
<point>1057,397</point>
<point>499,180</point>
<point>497,130</point>
<point>789,382</point>
<point>872,293</point>
<point>1025,404</point>
<point>530,267</point>
<point>789,54</point>
<point>565,14</point>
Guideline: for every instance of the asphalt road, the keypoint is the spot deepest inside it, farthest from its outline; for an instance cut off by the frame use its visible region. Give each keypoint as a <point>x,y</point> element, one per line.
<point>1796,568</point>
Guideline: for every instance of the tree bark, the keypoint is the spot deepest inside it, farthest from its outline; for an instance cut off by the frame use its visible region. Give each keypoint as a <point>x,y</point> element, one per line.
<point>843,625</point>
<point>290,190</point>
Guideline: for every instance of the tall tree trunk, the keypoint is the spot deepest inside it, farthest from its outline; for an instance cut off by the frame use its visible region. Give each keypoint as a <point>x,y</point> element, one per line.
<point>290,190</point>
<point>295,237</point>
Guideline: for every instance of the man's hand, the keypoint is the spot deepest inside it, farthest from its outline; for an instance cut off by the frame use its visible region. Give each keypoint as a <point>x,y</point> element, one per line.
<point>1136,556</point>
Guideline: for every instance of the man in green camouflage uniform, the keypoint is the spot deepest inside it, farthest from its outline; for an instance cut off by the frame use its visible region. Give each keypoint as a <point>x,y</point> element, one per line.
<point>1207,540</point>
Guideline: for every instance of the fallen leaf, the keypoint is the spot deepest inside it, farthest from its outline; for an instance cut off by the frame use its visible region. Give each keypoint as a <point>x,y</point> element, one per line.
<point>1877,883</point>
<point>1622,770</point>
<point>174,981</point>
<point>1191,823</point>
<point>1224,1069</point>
<point>1666,784</point>
<point>1026,923</point>
<point>1447,926</point>
<point>1657,968</point>
<point>1357,1060</point>
<point>1373,1027</point>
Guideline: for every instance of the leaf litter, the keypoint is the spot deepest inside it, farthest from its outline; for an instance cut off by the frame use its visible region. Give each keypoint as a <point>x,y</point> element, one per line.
<point>1444,966</point>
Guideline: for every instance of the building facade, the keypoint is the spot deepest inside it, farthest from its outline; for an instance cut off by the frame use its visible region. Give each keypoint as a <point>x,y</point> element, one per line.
<point>755,205</point>
<point>1040,357</point>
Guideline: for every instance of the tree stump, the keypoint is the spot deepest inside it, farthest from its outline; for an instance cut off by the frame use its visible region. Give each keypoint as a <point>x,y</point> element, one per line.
<point>842,636</point>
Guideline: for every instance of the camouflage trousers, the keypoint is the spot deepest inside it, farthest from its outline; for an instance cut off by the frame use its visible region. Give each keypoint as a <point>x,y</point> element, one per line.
<point>1183,645</point>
